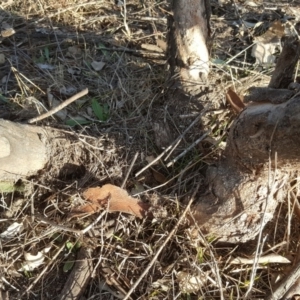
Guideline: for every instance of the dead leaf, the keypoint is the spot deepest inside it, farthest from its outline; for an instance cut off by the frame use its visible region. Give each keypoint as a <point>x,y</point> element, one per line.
<point>267,43</point>
<point>74,71</point>
<point>13,230</point>
<point>162,134</point>
<point>267,259</point>
<point>97,65</point>
<point>159,177</point>
<point>234,100</point>
<point>162,44</point>
<point>273,34</point>
<point>34,261</point>
<point>7,30</point>
<point>45,66</point>
<point>74,51</point>
<point>113,199</point>
<point>191,283</point>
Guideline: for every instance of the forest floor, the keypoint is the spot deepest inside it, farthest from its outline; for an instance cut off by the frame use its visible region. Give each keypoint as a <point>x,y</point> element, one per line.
<point>51,50</point>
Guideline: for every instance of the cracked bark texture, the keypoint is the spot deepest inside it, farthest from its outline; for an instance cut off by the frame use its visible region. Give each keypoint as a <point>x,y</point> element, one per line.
<point>251,178</point>
<point>189,37</point>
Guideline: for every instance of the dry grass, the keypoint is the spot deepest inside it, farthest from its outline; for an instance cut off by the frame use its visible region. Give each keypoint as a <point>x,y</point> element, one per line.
<point>53,48</point>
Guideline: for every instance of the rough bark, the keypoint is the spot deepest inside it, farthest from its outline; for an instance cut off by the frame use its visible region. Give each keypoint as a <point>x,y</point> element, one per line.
<point>262,151</point>
<point>189,36</point>
<point>286,63</point>
<point>243,188</point>
<point>263,144</point>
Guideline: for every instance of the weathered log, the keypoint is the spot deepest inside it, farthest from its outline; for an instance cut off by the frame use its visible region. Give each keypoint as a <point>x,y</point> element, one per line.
<point>23,150</point>
<point>28,150</point>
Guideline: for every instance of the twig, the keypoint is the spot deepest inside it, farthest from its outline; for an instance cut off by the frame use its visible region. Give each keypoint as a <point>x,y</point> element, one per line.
<point>15,71</point>
<point>285,284</point>
<point>188,149</point>
<point>215,262</point>
<point>66,228</point>
<point>261,240</point>
<point>10,285</point>
<point>170,147</point>
<point>71,7</point>
<point>129,170</point>
<point>163,245</point>
<point>86,229</point>
<point>125,19</point>
<point>59,107</point>
<point>60,227</point>
<point>235,56</point>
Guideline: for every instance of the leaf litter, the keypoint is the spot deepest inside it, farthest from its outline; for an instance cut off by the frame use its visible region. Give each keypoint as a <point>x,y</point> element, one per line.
<point>74,48</point>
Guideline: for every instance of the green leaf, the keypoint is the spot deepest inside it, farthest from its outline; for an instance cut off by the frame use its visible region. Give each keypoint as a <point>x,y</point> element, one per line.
<point>97,109</point>
<point>105,52</point>
<point>47,53</point>
<point>77,245</point>
<point>7,187</point>
<point>69,246</point>
<point>68,265</point>
<point>57,237</point>
<point>2,98</point>
<point>101,111</point>
<point>218,61</point>
<point>77,121</point>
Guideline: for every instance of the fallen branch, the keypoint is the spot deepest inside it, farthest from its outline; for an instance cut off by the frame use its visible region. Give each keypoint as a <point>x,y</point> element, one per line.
<point>59,107</point>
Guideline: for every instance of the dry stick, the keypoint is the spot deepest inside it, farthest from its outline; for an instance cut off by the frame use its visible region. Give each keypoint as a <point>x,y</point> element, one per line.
<point>55,225</point>
<point>285,284</point>
<point>86,229</point>
<point>188,149</point>
<point>261,240</point>
<point>163,245</point>
<point>59,107</point>
<point>168,148</point>
<point>129,170</point>
<point>66,228</point>
<point>215,263</point>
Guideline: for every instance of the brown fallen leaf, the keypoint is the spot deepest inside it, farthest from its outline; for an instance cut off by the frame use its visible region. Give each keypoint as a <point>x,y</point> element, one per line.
<point>159,177</point>
<point>113,199</point>
<point>234,100</point>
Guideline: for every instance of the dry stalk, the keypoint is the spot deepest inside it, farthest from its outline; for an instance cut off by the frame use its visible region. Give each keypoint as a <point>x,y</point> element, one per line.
<point>172,162</point>
<point>163,245</point>
<point>172,144</point>
<point>59,107</point>
<point>129,170</point>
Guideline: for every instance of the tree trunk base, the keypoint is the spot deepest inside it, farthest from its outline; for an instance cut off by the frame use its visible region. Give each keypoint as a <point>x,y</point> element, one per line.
<point>239,203</point>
